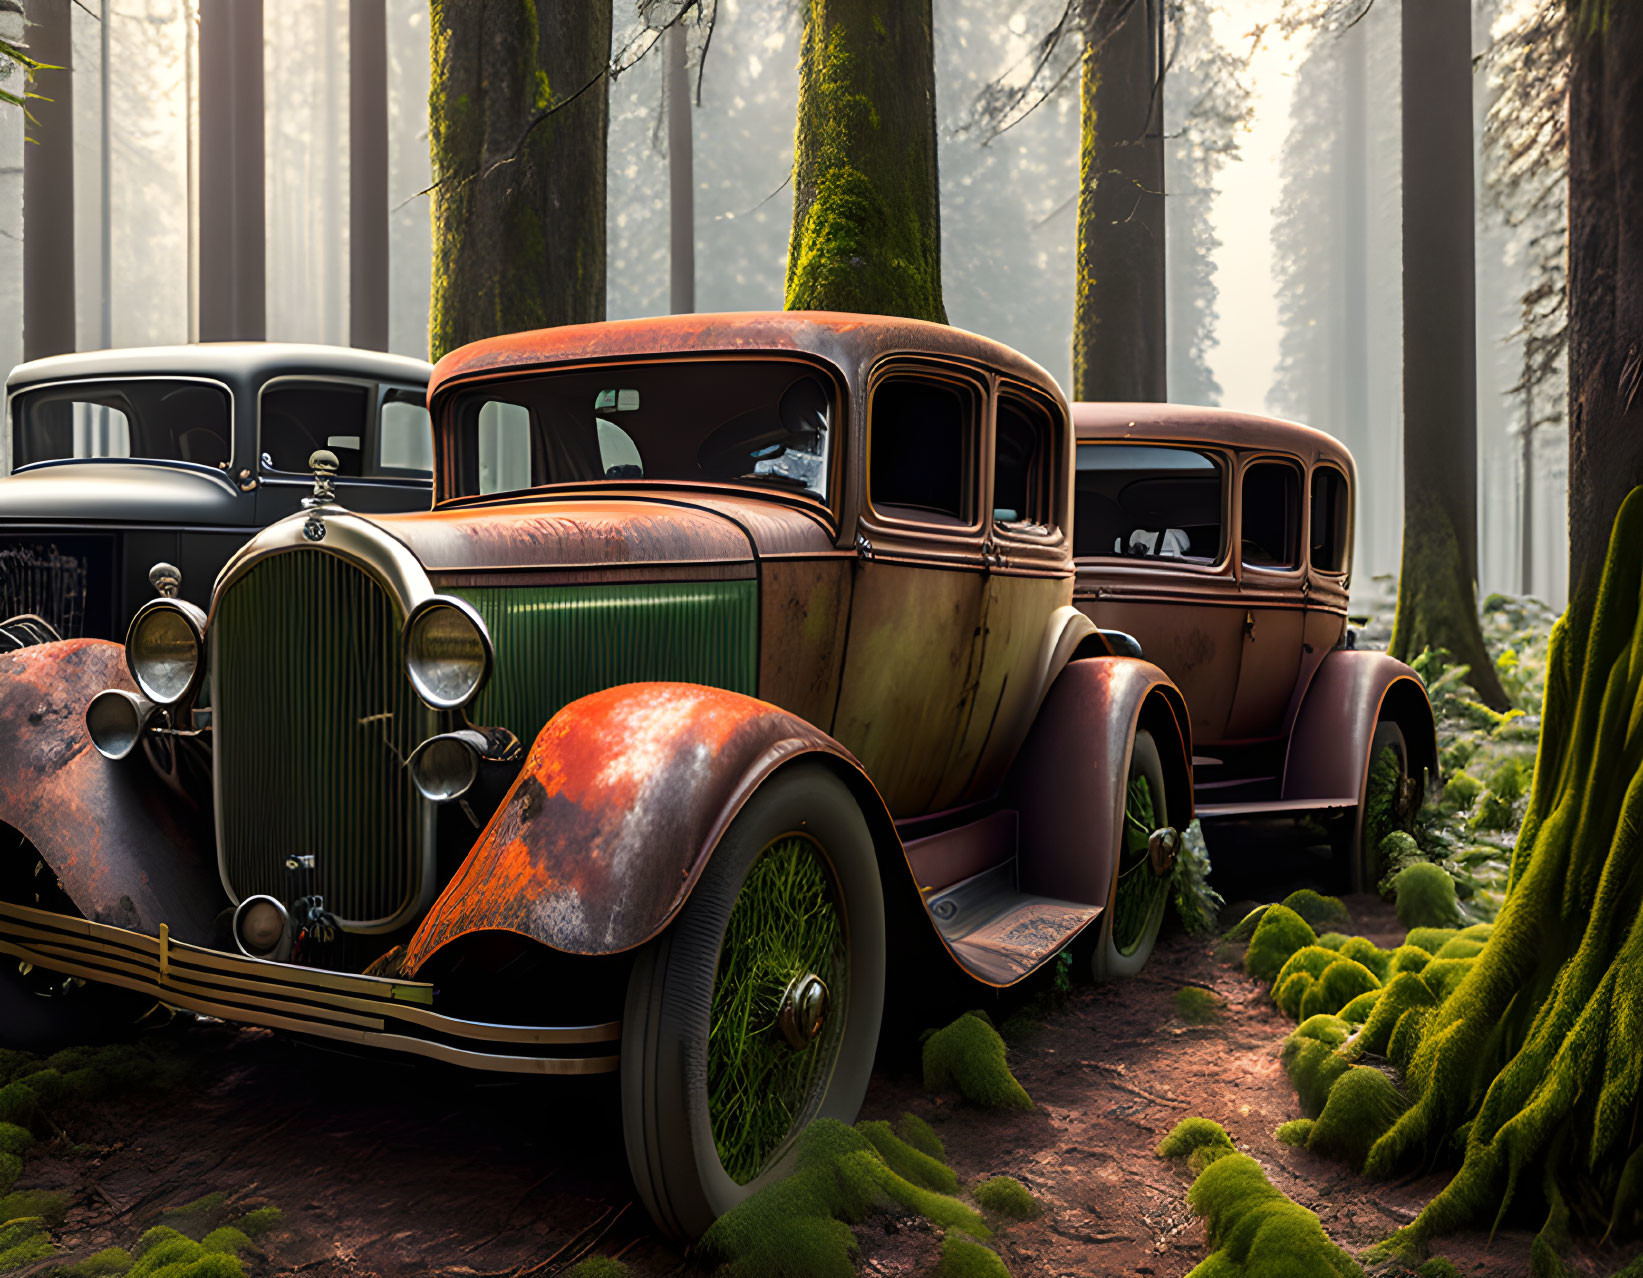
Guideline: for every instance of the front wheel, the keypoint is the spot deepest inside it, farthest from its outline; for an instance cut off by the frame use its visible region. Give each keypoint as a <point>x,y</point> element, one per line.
<point>1391,801</point>
<point>1141,877</point>
<point>758,1010</point>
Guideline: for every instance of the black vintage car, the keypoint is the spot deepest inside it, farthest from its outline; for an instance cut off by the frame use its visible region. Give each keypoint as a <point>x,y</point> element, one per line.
<point>114,461</point>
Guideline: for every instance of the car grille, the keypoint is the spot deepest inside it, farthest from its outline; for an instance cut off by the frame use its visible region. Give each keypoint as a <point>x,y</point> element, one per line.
<point>66,580</point>
<point>557,643</point>
<point>313,718</point>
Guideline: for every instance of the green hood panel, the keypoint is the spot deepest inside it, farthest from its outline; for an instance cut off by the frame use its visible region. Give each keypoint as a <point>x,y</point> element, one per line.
<point>557,643</point>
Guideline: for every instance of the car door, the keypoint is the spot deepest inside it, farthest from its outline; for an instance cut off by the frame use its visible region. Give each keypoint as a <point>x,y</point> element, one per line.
<point>1329,554</point>
<point>912,661</point>
<point>1272,593</point>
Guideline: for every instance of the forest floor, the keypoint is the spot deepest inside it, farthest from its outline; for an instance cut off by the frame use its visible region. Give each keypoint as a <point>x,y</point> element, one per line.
<point>381,1168</point>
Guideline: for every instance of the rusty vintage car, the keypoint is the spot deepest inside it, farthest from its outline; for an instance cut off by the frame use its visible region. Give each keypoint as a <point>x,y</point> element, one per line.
<point>1222,542</point>
<point>113,461</point>
<point>734,671</point>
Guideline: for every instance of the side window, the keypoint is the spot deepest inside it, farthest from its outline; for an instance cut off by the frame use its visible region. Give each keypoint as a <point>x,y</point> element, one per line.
<point>405,437</point>
<point>1023,466</point>
<point>299,417</point>
<point>504,447</point>
<point>1147,500</point>
<point>923,439</point>
<point>1272,515</point>
<point>1329,528</point>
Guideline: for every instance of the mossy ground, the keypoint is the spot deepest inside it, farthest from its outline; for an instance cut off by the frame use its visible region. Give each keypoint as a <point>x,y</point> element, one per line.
<point>1007,1196</point>
<point>968,1056</point>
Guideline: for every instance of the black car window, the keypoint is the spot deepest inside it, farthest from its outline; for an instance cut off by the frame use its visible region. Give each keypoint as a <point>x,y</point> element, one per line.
<point>922,434</point>
<point>1272,515</point>
<point>297,418</point>
<point>766,423</point>
<point>1330,532</point>
<point>1023,466</point>
<point>155,419</point>
<point>1149,501</point>
<point>405,444</point>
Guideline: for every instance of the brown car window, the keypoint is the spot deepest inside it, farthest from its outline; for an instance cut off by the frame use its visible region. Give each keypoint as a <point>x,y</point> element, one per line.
<point>1329,528</point>
<point>299,417</point>
<point>1272,515</point>
<point>922,433</point>
<point>1023,461</point>
<point>1149,501</point>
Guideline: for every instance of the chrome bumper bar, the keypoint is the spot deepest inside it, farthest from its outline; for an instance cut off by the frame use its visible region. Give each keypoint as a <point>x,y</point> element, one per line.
<point>365,1010</point>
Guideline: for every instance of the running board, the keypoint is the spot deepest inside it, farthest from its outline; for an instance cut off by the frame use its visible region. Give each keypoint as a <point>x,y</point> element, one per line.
<point>999,934</point>
<point>1271,807</point>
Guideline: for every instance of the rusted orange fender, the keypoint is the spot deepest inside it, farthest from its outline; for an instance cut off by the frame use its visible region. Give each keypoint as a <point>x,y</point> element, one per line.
<point>1352,691</point>
<point>123,858</point>
<point>613,816</point>
<point>1069,779</point>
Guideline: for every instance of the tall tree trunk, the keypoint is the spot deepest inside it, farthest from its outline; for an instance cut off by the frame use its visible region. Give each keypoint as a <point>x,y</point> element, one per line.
<point>368,174</point>
<point>866,197</point>
<point>233,243</point>
<point>1605,275</point>
<point>1437,583</point>
<point>1118,307</point>
<point>1530,1061</point>
<point>681,176</point>
<point>48,186</point>
<point>518,211</point>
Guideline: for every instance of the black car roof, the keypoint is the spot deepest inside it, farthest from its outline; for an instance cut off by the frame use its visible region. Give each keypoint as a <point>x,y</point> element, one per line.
<point>228,361</point>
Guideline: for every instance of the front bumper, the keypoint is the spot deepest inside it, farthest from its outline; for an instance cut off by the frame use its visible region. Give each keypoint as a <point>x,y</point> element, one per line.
<point>367,1011</point>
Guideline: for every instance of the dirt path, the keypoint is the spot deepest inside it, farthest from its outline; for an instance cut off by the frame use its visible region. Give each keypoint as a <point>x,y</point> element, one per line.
<point>389,1170</point>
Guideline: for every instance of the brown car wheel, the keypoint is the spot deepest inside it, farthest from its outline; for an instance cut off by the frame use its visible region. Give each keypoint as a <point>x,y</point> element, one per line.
<point>1392,801</point>
<point>758,1009</point>
<point>1140,889</point>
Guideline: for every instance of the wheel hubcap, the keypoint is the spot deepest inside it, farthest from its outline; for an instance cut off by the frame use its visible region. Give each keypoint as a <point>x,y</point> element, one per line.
<point>1162,848</point>
<point>804,1010</point>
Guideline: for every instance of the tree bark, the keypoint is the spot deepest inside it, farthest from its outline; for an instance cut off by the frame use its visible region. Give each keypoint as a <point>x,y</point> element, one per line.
<point>233,234</point>
<point>1605,276</point>
<point>866,197</point>
<point>681,175</point>
<point>1437,583</point>
<point>518,211</point>
<point>1118,309</point>
<point>368,174</point>
<point>48,186</point>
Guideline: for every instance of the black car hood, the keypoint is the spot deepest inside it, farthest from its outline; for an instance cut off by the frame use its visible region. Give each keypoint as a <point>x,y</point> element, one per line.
<point>121,492</point>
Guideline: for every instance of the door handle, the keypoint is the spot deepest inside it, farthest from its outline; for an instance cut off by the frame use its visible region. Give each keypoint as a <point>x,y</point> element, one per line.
<point>1249,625</point>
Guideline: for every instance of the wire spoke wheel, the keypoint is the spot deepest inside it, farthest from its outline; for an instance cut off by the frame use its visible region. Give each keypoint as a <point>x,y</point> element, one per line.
<point>1140,887</point>
<point>771,1039</point>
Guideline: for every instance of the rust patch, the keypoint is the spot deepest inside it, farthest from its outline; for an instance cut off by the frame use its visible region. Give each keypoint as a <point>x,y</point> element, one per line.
<point>619,802</point>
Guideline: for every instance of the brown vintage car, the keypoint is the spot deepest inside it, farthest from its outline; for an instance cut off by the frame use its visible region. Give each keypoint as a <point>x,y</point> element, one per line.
<point>734,673</point>
<point>1222,543</point>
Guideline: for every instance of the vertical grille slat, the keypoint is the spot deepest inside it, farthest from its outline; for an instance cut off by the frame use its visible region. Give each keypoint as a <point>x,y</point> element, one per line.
<point>312,722</point>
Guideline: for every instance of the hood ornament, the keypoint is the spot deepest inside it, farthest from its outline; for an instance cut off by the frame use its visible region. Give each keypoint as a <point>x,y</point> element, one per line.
<point>323,462</point>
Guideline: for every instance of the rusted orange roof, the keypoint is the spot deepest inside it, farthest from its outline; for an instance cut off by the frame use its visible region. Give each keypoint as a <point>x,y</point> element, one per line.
<point>1189,423</point>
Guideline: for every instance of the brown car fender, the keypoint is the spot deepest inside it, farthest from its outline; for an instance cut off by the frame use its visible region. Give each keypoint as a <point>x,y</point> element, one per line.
<point>1353,690</point>
<point>614,814</point>
<point>1068,781</point>
<point>126,849</point>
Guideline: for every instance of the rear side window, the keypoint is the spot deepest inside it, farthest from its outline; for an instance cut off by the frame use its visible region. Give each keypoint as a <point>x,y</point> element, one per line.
<point>298,418</point>
<point>923,433</point>
<point>1023,466</point>
<point>405,436</point>
<point>1272,515</point>
<point>1330,532</point>
<point>1148,501</point>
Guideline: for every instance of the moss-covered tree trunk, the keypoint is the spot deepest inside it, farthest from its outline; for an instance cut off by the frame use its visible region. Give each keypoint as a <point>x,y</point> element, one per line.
<point>1605,274</point>
<point>518,212</point>
<point>1437,581</point>
<point>866,198</point>
<point>1118,307</point>
<point>1535,1060</point>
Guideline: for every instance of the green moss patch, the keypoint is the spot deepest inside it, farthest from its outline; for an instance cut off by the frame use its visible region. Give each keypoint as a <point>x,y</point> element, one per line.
<point>1408,958</point>
<point>1426,896</point>
<point>908,1162</point>
<point>1430,939</point>
<point>1313,1066</point>
<point>1362,950</point>
<point>1193,1134</point>
<point>1363,1104</point>
<point>23,1241</point>
<point>110,1263</point>
<point>1295,1132</point>
<point>921,1136</point>
<point>46,1204</point>
<point>799,1227</point>
<point>969,1056</point>
<point>1278,935</point>
<point>963,1257</point>
<point>1320,912</point>
<point>1460,790</point>
<point>1008,1197</point>
<point>1245,927</point>
<point>1198,1006</point>
<point>1342,981</point>
<point>1361,1008</point>
<point>597,1267</point>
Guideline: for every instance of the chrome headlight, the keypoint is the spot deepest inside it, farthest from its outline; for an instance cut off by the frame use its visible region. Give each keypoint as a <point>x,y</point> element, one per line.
<point>447,652</point>
<point>165,649</point>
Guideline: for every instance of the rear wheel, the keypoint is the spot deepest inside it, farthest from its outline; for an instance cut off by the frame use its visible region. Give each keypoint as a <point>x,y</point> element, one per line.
<point>1392,801</point>
<point>1140,887</point>
<point>758,1009</point>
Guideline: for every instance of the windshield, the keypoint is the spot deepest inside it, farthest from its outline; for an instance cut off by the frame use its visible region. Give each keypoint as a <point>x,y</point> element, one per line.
<point>159,419</point>
<point>766,422</point>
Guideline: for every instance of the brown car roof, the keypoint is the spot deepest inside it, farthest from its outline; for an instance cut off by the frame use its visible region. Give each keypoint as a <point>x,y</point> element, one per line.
<point>1189,424</point>
<point>848,341</point>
